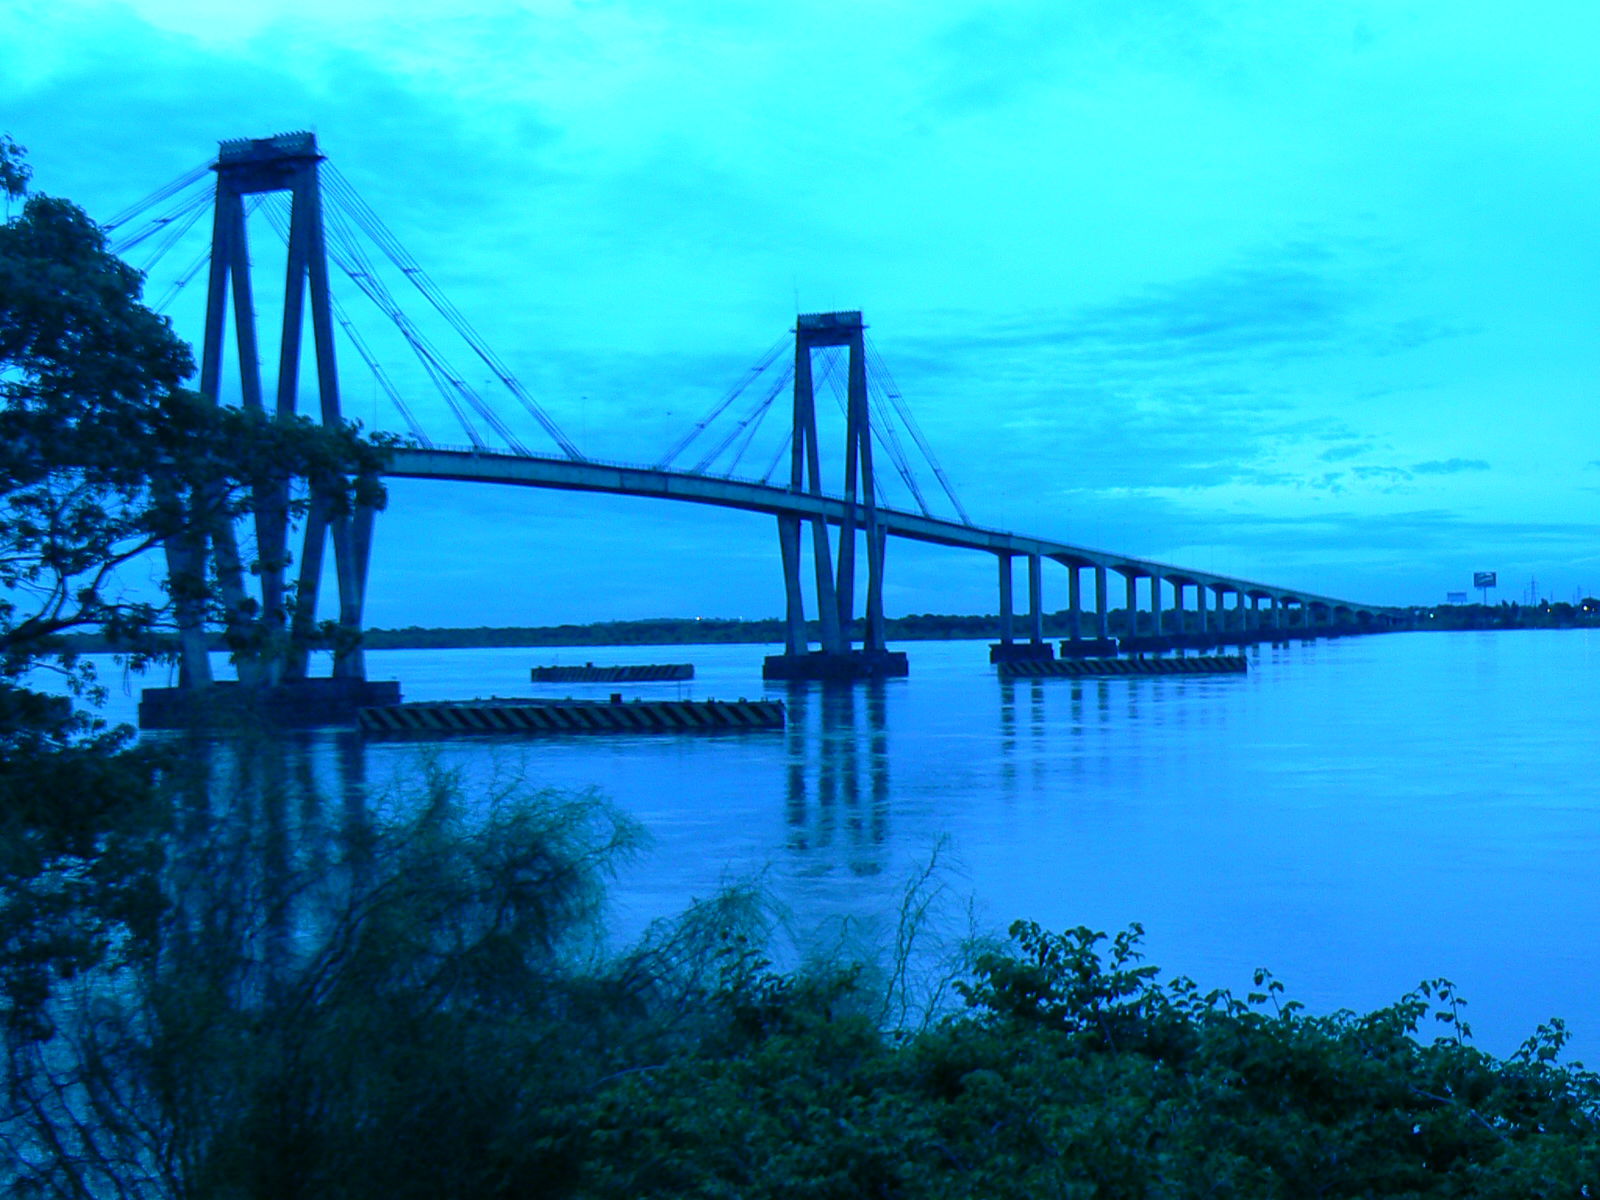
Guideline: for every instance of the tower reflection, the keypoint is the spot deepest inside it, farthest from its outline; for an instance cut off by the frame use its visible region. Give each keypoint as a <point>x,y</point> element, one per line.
<point>837,772</point>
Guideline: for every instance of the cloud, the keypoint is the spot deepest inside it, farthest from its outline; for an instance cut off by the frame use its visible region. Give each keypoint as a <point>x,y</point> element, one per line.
<point>1449,466</point>
<point>1386,473</point>
<point>992,55</point>
<point>1278,301</point>
<point>1342,452</point>
<point>1393,556</point>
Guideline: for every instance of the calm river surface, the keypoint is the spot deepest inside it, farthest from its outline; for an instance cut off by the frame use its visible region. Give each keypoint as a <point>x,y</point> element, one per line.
<point>1356,815</point>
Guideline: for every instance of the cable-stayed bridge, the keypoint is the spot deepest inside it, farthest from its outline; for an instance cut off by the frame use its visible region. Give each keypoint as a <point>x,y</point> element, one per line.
<point>832,513</point>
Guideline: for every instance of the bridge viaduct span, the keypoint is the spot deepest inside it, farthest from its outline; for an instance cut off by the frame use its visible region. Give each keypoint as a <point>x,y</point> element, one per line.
<point>1284,605</point>
<point>842,525</point>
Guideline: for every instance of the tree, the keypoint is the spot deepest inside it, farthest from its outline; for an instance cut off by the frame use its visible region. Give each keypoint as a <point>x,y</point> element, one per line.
<point>105,455</point>
<point>105,458</point>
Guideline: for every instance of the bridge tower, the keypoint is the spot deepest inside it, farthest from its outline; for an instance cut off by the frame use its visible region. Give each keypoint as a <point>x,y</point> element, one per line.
<point>244,168</point>
<point>835,585</point>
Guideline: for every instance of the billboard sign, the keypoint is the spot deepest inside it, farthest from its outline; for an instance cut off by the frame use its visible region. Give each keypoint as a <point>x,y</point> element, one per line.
<point>1455,597</point>
<point>1483,579</point>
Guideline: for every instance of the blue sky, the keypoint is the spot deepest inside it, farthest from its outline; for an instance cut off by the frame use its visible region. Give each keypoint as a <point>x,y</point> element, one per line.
<point>1300,292</point>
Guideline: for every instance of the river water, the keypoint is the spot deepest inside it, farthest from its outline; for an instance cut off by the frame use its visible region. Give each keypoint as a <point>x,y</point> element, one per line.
<point>1357,814</point>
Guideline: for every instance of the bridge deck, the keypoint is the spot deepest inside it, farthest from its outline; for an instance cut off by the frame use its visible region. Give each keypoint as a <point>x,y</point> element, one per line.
<point>620,480</point>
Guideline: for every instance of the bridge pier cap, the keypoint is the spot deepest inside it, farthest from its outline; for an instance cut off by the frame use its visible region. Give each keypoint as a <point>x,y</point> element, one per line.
<point>828,329</point>
<point>266,164</point>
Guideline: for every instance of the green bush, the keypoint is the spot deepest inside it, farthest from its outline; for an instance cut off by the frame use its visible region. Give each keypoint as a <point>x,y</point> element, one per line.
<point>339,1000</point>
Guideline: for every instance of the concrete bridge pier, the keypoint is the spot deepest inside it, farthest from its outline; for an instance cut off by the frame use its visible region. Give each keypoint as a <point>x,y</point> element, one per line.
<point>1157,638</point>
<point>1074,602</point>
<point>1076,645</point>
<point>1007,649</point>
<point>795,640</point>
<point>1219,618</point>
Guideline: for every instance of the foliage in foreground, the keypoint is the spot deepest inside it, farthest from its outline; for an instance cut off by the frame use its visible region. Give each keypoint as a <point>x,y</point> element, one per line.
<point>321,999</point>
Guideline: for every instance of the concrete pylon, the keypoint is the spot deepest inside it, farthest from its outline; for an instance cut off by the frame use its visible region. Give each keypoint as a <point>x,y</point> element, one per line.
<point>246,167</point>
<point>834,583</point>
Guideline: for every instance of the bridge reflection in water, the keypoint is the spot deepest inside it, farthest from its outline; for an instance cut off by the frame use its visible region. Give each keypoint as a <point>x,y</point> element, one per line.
<point>837,771</point>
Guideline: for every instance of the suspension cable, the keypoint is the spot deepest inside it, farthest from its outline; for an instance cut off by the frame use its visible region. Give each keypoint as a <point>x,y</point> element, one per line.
<point>368,221</point>
<point>182,215</point>
<point>904,411</point>
<point>279,220</point>
<point>783,449</point>
<point>177,227</point>
<point>170,188</point>
<point>883,429</point>
<point>347,254</point>
<point>750,376</point>
<point>755,413</point>
<point>749,437</point>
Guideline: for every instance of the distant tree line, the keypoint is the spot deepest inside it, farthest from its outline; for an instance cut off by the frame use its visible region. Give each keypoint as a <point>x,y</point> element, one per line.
<point>1546,614</point>
<point>668,631</point>
<point>677,631</point>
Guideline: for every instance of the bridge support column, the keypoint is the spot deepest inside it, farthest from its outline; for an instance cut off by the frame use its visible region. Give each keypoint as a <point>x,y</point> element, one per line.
<point>1201,601</point>
<point>186,561</point>
<point>1156,638</point>
<point>1076,645</point>
<point>352,554</point>
<point>1035,600</point>
<point>1007,603</point>
<point>877,544</point>
<point>835,591</point>
<point>1008,649</point>
<point>795,640</point>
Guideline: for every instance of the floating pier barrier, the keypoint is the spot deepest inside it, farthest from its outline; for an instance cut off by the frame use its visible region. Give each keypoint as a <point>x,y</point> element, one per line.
<point>1010,651</point>
<point>639,673</point>
<point>522,716</point>
<point>1088,647</point>
<point>1076,667</point>
<point>837,668</point>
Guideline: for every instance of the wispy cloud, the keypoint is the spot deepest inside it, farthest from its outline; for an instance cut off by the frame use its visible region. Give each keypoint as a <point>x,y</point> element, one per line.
<point>1449,466</point>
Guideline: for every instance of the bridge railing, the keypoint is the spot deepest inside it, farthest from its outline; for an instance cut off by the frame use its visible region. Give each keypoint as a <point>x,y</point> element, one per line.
<point>482,451</point>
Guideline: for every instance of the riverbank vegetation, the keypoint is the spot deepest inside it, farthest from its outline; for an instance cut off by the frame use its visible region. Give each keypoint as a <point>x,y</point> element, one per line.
<point>247,988</point>
<point>668,631</point>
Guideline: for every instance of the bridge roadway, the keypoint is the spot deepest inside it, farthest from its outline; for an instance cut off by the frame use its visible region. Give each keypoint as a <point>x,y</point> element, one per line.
<point>481,466</point>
